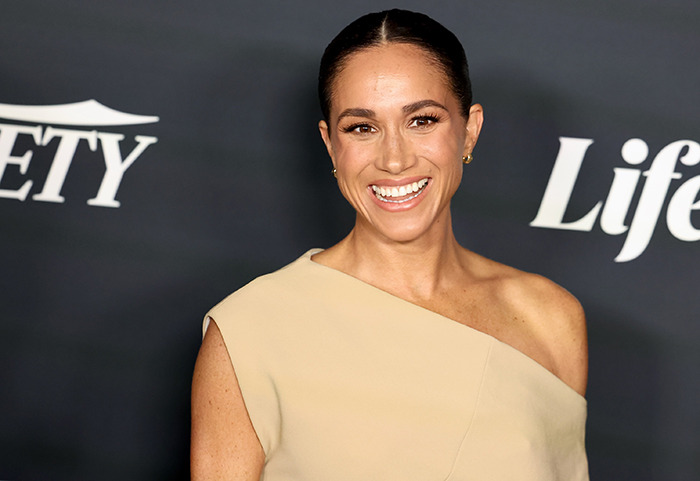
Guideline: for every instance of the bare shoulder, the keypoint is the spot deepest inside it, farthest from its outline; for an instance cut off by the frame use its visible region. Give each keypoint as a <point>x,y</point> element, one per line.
<point>223,441</point>
<point>544,298</point>
<point>553,317</point>
<point>556,318</point>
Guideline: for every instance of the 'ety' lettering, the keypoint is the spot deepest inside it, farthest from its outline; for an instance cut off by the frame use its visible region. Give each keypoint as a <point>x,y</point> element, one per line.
<point>115,164</point>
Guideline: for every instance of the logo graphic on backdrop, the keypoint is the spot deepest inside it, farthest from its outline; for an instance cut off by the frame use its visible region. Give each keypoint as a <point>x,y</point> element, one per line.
<point>655,190</point>
<point>89,113</point>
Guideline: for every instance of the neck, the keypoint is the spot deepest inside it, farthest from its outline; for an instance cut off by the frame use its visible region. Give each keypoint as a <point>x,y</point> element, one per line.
<point>412,269</point>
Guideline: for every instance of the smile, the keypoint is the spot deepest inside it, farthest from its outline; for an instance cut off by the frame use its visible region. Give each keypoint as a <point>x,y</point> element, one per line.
<point>400,193</point>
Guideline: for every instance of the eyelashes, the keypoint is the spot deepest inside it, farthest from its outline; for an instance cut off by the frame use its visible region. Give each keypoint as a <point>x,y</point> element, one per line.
<point>360,128</point>
<point>424,120</point>
<point>417,122</point>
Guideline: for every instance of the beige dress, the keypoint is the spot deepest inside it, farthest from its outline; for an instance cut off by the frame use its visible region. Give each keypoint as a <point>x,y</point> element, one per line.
<point>344,381</point>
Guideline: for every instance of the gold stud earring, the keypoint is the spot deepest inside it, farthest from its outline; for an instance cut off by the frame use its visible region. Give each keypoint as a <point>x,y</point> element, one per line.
<point>335,173</point>
<point>468,158</point>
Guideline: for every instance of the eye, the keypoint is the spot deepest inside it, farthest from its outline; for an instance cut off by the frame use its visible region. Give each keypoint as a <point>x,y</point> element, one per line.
<point>361,129</point>
<point>423,121</point>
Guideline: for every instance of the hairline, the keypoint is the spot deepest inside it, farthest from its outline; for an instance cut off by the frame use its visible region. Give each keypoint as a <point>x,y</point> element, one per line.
<point>382,41</point>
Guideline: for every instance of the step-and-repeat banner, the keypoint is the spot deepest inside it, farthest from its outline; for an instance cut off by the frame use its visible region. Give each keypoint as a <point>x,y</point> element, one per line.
<point>155,156</point>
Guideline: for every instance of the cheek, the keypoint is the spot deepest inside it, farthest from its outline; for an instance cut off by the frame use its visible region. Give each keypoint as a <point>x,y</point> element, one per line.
<point>443,150</point>
<point>351,157</point>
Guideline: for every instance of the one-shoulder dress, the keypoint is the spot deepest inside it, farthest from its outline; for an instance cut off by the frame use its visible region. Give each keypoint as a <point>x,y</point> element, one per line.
<point>345,382</point>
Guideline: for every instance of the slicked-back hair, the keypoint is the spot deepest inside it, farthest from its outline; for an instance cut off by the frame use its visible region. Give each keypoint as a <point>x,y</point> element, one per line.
<point>397,26</point>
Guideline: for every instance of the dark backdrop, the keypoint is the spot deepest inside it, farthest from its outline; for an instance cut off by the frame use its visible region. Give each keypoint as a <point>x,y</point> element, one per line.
<point>100,307</point>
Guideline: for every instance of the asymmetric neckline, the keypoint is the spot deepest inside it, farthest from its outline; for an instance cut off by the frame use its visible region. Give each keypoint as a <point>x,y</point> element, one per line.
<point>447,322</point>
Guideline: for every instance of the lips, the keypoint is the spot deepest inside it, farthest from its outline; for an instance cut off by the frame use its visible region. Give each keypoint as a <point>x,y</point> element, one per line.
<point>398,194</point>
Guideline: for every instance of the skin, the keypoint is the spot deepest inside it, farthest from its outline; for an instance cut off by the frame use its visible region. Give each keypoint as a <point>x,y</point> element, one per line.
<point>223,443</point>
<point>394,120</point>
<point>412,253</point>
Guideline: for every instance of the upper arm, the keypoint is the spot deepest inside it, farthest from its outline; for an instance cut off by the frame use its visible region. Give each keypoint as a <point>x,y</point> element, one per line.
<point>223,441</point>
<point>563,326</point>
<point>573,345</point>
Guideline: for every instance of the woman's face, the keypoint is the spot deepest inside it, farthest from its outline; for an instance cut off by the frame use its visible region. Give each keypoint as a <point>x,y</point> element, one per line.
<point>397,137</point>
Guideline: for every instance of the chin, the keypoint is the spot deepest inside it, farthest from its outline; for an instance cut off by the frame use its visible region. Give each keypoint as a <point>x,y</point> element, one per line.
<point>402,233</point>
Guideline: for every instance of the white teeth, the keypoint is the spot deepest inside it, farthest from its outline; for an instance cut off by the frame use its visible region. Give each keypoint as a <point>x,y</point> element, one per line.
<point>383,192</point>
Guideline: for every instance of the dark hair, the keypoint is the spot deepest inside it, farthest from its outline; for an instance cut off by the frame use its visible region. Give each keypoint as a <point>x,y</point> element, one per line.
<point>397,26</point>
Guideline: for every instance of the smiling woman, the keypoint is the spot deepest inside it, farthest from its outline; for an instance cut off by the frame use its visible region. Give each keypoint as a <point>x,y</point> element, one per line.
<point>396,121</point>
<point>396,353</point>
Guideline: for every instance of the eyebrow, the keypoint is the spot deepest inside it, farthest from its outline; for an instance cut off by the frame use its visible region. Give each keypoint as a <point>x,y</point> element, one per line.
<point>370,114</point>
<point>407,109</point>
<point>410,108</point>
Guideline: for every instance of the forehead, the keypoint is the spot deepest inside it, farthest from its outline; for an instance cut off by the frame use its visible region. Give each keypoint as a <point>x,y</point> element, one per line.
<point>391,72</point>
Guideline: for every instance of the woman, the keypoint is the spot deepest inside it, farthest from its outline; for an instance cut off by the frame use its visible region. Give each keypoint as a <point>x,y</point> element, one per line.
<point>396,354</point>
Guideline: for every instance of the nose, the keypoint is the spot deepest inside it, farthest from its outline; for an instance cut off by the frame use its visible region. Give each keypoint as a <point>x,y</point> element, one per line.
<point>395,154</point>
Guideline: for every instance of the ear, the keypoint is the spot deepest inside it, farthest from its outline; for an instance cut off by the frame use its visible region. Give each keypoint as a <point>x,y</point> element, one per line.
<point>326,136</point>
<point>474,123</point>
